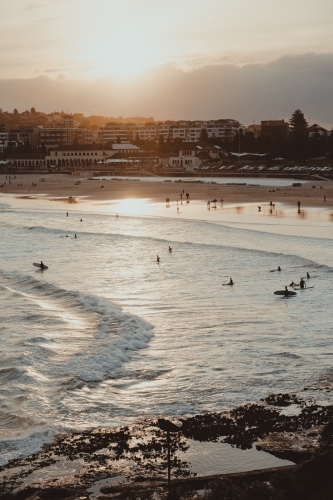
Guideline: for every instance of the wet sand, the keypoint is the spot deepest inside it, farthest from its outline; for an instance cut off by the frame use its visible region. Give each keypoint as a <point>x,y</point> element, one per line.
<point>62,187</point>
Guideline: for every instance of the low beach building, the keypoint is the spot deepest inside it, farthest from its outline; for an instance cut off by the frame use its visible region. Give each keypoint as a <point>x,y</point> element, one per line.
<point>194,154</point>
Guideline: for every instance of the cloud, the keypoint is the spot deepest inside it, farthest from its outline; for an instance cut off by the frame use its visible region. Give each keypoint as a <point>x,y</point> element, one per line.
<point>251,92</point>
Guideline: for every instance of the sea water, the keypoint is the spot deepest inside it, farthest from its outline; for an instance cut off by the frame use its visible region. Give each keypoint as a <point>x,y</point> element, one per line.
<point>107,335</point>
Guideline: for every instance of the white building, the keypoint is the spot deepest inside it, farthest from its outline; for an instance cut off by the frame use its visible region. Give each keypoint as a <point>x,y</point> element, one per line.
<point>185,130</point>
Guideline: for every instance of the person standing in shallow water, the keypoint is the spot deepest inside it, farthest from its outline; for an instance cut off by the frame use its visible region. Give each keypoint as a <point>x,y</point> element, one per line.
<point>157,259</point>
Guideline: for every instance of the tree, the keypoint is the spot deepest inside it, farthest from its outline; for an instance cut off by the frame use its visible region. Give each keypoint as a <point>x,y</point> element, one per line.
<point>298,121</point>
<point>203,134</point>
<point>300,136</point>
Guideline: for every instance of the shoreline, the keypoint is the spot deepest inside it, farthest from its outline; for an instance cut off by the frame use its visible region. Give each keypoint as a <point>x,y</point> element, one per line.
<point>64,186</point>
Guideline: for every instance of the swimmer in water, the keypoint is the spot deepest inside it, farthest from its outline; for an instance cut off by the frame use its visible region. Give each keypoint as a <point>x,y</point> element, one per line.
<point>302,283</point>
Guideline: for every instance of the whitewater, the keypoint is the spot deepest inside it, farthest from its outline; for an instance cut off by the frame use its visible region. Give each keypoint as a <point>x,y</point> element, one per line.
<point>107,336</point>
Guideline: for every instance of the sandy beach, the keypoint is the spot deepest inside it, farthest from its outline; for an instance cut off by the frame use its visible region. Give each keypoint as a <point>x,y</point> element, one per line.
<point>246,190</point>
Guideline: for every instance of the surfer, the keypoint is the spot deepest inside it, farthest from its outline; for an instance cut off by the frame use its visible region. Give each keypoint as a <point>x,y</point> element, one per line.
<point>231,282</point>
<point>308,275</point>
<point>170,249</point>
<point>286,291</point>
<point>67,214</point>
<point>279,268</point>
<point>302,283</point>
<point>41,265</point>
<point>80,220</point>
<point>293,283</point>
<point>157,259</point>
<point>75,236</point>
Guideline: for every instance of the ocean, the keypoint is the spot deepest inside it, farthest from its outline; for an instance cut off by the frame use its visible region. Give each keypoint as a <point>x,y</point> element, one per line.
<point>107,335</point>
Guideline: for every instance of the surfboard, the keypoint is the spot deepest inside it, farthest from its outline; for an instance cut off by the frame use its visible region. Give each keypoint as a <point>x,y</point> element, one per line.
<point>38,265</point>
<point>273,270</point>
<point>228,284</point>
<point>282,292</point>
<point>305,288</point>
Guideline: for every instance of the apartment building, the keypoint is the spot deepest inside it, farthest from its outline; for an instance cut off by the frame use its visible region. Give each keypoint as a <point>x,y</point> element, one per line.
<point>185,130</point>
<point>28,135</point>
<point>274,128</point>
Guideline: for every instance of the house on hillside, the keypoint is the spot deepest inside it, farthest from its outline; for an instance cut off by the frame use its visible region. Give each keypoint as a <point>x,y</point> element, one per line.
<point>317,130</point>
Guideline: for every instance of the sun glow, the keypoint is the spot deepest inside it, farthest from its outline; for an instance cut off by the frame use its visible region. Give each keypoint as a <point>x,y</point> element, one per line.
<point>130,206</point>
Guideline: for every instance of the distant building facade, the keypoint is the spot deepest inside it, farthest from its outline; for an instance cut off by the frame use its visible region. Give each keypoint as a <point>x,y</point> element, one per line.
<point>274,128</point>
<point>317,130</point>
<point>185,130</point>
<point>255,129</point>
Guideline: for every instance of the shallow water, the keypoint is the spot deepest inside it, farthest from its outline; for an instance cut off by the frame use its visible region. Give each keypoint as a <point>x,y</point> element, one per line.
<point>107,335</point>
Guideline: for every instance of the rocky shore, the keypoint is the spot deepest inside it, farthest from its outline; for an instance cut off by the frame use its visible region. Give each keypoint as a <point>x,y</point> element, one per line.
<point>101,463</point>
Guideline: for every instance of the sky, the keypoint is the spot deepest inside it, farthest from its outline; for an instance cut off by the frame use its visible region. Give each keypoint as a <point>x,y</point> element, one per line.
<point>171,59</point>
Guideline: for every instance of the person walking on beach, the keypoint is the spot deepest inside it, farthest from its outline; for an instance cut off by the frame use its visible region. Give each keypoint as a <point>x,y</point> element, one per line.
<point>299,205</point>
